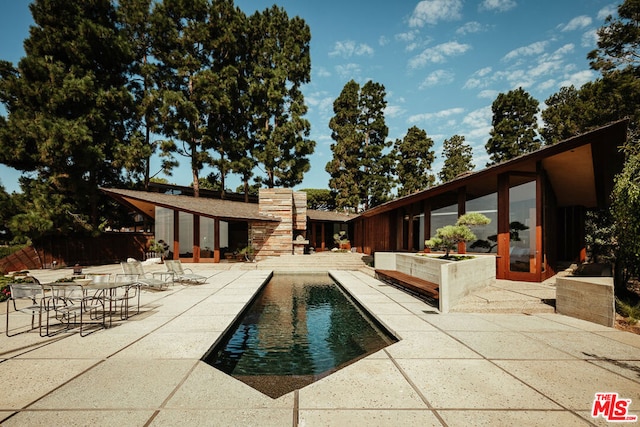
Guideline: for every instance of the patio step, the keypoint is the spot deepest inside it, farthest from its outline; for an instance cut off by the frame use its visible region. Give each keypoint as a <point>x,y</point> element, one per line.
<point>322,261</point>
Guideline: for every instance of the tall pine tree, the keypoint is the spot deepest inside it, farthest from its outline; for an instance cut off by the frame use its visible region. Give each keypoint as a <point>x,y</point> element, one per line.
<point>279,65</point>
<point>67,104</point>
<point>414,156</point>
<point>457,158</point>
<point>376,166</point>
<point>360,169</point>
<point>179,33</point>
<point>514,126</point>
<point>344,167</point>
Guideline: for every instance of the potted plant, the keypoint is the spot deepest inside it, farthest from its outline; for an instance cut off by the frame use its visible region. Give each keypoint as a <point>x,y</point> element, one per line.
<point>247,253</point>
<point>342,240</point>
<point>156,249</point>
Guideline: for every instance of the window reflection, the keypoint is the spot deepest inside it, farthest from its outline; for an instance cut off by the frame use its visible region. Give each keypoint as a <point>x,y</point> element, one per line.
<point>487,235</point>
<point>186,235</point>
<point>164,229</point>
<point>443,216</point>
<point>522,226</point>
<point>206,237</point>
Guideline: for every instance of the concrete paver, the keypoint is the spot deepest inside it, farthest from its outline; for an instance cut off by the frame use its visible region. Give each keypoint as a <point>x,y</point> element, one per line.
<point>453,369</point>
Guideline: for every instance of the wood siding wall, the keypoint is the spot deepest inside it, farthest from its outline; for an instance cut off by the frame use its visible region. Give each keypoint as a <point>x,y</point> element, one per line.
<point>375,233</point>
<point>104,249</point>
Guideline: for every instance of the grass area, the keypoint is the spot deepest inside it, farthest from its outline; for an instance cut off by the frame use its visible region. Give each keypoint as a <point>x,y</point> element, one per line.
<point>629,310</point>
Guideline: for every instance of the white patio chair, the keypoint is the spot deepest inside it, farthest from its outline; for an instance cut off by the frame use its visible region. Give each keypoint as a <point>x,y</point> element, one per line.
<point>28,298</point>
<point>156,280</point>
<point>69,301</point>
<point>183,275</point>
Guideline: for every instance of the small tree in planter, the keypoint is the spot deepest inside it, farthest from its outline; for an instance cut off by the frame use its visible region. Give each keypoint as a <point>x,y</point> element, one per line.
<point>448,237</point>
<point>342,240</point>
<point>156,249</point>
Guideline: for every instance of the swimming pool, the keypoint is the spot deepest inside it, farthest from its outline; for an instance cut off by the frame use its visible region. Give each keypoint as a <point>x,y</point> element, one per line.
<point>298,329</point>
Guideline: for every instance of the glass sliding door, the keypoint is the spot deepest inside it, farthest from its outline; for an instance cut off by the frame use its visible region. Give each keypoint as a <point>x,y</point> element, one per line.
<point>164,229</point>
<point>185,221</point>
<point>207,237</point>
<point>523,249</point>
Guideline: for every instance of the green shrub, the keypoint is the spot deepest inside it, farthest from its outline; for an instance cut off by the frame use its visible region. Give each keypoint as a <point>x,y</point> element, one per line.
<point>449,236</point>
<point>628,310</point>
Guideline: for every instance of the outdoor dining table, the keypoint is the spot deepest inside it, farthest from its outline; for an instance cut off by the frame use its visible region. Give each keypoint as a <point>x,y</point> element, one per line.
<point>96,296</point>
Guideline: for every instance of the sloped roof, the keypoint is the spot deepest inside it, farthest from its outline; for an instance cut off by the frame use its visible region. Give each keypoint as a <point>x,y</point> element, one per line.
<point>145,202</point>
<point>329,216</point>
<point>580,170</point>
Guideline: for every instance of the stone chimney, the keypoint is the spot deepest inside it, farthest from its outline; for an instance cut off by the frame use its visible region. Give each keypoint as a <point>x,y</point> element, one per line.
<point>283,237</point>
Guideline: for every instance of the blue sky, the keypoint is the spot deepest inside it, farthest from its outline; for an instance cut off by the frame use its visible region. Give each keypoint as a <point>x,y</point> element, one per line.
<point>442,62</point>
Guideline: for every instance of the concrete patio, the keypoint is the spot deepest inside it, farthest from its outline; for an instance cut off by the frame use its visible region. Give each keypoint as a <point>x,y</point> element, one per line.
<point>495,366</point>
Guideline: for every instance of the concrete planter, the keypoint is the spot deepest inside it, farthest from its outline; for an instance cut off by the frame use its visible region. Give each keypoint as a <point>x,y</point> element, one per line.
<point>455,278</point>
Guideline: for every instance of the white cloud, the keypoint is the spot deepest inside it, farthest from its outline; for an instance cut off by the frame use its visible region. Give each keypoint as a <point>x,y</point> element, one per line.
<point>470,28</point>
<point>432,11</point>
<point>407,37</point>
<point>488,94</point>
<point>320,102</point>
<point>476,80</point>
<point>438,77</point>
<point>603,13</point>
<point>577,23</point>
<point>483,71</point>
<point>578,79</point>
<point>322,72</point>
<point>590,39</point>
<point>547,85</point>
<point>480,118</point>
<point>497,5</point>
<point>559,54</point>
<point>348,71</point>
<point>532,49</point>
<point>383,41</point>
<point>393,111</point>
<point>349,48</point>
<point>439,115</point>
<point>438,54</point>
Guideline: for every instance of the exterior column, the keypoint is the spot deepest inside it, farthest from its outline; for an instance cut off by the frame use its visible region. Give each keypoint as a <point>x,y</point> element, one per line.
<point>502,260</point>
<point>196,238</point>
<point>216,240</point>
<point>462,209</point>
<point>176,234</point>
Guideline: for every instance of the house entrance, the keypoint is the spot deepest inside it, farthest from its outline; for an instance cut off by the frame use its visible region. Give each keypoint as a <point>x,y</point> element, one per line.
<point>523,258</point>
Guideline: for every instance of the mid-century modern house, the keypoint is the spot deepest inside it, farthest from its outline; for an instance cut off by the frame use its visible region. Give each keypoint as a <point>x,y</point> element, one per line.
<point>203,229</point>
<point>536,202</point>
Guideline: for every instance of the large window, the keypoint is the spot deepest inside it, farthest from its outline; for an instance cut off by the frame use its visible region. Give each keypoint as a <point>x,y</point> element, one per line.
<point>443,216</point>
<point>207,236</point>
<point>487,235</point>
<point>186,234</point>
<point>164,229</point>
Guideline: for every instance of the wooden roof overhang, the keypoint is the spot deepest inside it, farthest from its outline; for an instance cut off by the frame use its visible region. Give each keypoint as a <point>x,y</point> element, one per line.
<point>580,170</point>
<point>328,216</point>
<point>145,203</point>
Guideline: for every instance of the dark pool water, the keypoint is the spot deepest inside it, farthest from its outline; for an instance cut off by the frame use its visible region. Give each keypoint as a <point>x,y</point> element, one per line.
<point>300,328</point>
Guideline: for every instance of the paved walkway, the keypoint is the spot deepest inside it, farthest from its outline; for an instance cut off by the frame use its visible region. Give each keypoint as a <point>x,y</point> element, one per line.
<point>457,369</point>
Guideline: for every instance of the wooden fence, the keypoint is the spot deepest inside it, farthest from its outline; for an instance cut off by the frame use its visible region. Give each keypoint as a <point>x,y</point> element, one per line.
<point>58,252</point>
